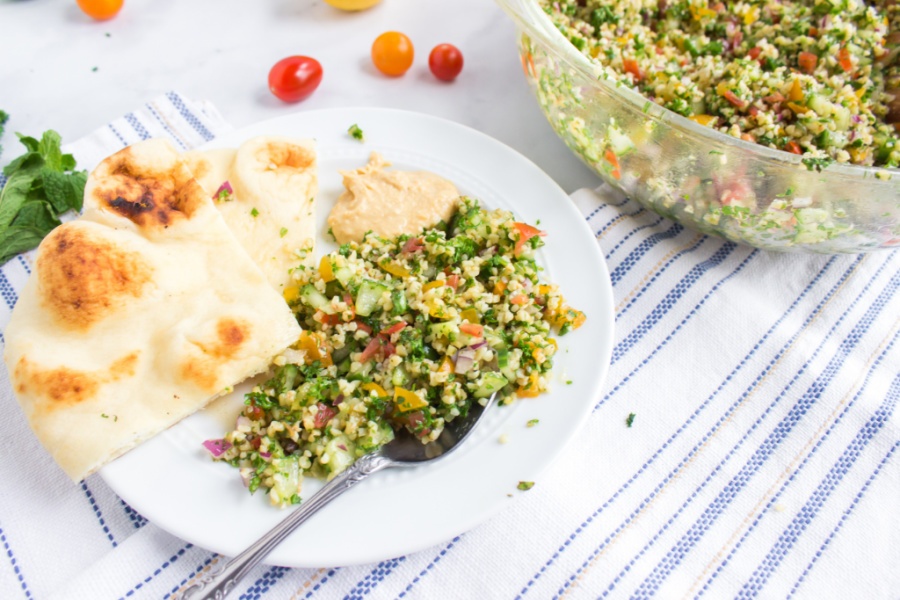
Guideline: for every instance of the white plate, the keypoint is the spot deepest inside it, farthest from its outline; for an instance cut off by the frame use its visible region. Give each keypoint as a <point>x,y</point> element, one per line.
<point>172,481</point>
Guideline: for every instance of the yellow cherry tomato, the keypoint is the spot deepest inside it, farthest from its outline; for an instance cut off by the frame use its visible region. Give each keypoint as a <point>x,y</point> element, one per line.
<point>392,53</point>
<point>352,4</point>
<point>101,10</point>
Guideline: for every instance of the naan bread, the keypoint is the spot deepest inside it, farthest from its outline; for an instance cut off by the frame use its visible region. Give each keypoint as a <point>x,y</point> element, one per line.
<point>278,178</point>
<point>138,313</point>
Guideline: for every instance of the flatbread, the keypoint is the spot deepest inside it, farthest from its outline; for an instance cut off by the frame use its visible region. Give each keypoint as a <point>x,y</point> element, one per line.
<point>138,313</point>
<point>272,210</point>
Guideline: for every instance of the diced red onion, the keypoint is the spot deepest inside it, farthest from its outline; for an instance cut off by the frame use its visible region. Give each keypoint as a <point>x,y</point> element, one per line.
<point>217,447</point>
<point>265,455</point>
<point>342,447</point>
<point>338,400</point>
<point>225,187</point>
<point>242,421</point>
<point>465,358</point>
<point>478,345</point>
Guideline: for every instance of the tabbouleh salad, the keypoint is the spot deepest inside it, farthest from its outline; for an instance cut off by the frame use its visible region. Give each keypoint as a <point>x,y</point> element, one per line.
<point>812,77</point>
<point>399,333</point>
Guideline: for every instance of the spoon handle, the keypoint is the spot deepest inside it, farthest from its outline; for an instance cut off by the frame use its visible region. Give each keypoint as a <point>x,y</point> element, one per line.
<point>219,582</point>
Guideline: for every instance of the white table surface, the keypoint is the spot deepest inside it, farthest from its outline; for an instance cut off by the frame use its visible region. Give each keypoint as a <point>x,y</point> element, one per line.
<point>222,51</point>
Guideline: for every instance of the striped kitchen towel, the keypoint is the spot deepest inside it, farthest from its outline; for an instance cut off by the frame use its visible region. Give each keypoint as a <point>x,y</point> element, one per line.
<point>745,444</point>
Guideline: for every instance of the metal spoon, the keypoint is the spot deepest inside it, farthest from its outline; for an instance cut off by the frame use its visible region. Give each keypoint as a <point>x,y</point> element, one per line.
<point>404,451</point>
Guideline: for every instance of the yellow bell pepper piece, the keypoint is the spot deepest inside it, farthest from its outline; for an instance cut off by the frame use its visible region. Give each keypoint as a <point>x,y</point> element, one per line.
<point>291,294</point>
<point>325,269</point>
<point>433,284</point>
<point>310,344</point>
<point>798,109</point>
<point>407,400</point>
<point>531,389</point>
<point>705,120</point>
<point>446,365</point>
<point>471,315</point>
<point>796,93</point>
<point>374,387</point>
<point>394,269</point>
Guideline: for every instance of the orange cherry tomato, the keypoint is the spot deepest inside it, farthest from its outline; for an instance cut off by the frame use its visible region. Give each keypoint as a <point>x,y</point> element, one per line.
<point>392,53</point>
<point>101,9</point>
<point>445,62</point>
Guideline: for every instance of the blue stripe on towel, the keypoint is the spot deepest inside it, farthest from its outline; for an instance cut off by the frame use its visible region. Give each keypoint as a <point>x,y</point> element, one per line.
<point>765,450</point>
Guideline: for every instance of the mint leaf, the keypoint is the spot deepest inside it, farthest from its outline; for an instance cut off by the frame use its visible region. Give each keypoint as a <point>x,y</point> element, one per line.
<point>42,184</point>
<point>16,240</point>
<point>13,196</point>
<point>37,214</point>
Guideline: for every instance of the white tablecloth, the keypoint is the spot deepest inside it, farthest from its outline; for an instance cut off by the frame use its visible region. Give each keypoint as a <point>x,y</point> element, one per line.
<point>760,461</point>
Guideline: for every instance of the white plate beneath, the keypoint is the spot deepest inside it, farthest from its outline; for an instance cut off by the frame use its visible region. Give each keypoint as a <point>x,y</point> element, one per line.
<point>172,481</point>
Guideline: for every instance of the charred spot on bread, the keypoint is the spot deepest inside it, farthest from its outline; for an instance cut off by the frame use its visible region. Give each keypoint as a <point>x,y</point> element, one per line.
<point>284,154</point>
<point>83,278</point>
<point>152,196</point>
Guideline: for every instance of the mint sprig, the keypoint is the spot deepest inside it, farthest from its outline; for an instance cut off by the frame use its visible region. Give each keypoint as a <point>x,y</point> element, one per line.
<point>41,185</point>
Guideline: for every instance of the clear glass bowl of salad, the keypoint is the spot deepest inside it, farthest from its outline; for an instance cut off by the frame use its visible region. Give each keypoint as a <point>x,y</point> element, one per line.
<point>698,176</point>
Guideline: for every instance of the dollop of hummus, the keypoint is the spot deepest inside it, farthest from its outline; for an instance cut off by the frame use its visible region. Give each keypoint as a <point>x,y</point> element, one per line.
<point>390,203</point>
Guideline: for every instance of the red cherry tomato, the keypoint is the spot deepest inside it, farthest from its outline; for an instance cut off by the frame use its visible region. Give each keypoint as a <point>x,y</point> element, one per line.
<point>101,9</point>
<point>392,53</point>
<point>445,61</point>
<point>294,78</point>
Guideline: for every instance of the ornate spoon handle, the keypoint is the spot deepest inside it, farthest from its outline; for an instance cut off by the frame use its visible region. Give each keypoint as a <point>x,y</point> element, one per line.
<point>218,582</point>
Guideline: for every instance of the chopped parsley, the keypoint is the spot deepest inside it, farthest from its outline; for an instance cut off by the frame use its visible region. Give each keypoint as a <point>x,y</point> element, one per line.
<point>283,232</point>
<point>356,133</point>
<point>532,422</point>
<point>629,420</point>
<point>254,212</point>
<point>525,485</point>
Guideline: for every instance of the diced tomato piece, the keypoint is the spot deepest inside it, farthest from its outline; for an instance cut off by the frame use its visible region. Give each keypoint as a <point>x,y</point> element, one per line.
<point>363,327</point>
<point>630,65</point>
<point>389,349</point>
<point>774,98</point>
<point>413,245</point>
<point>325,414</point>
<point>612,159</point>
<point>754,52</point>
<point>348,300</point>
<point>526,232</point>
<point>844,59</point>
<point>389,331</point>
<point>518,299</point>
<point>793,147</point>
<point>472,329</point>
<point>371,350</point>
<point>807,62</point>
<point>453,281</point>
<point>733,99</point>
<point>326,319</point>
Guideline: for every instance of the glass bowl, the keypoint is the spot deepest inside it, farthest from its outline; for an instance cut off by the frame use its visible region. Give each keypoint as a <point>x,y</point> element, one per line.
<point>695,175</point>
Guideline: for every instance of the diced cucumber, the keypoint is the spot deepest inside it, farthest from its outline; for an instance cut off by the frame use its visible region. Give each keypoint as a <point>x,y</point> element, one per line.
<point>502,358</point>
<point>398,298</point>
<point>368,296</point>
<point>286,478</point>
<point>490,383</point>
<point>316,299</point>
<point>445,329</point>
<point>493,339</point>
<point>619,142</point>
<point>343,274</point>
<point>341,454</point>
<point>375,437</point>
<point>399,377</point>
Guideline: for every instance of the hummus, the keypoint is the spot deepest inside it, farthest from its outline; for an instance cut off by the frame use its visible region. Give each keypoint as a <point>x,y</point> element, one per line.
<point>390,203</point>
